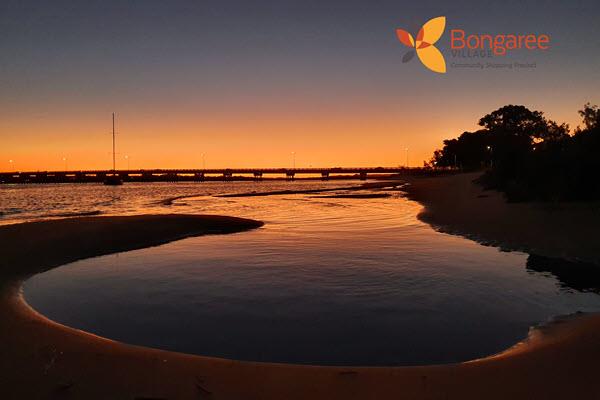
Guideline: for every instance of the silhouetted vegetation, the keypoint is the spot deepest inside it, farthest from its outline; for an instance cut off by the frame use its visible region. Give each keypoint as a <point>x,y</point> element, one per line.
<point>530,157</point>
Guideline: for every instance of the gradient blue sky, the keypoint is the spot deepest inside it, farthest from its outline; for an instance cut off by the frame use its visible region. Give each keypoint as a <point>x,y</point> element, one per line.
<point>248,82</point>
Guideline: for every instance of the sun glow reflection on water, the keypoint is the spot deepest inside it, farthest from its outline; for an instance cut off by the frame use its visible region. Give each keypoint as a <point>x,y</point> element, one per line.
<point>325,281</point>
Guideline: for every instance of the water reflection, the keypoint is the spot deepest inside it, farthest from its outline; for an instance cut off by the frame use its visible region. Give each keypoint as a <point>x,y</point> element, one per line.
<point>338,281</point>
<point>581,276</point>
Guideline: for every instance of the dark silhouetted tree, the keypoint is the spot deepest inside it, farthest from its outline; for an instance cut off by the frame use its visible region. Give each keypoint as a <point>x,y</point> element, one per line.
<point>530,157</point>
<point>591,116</point>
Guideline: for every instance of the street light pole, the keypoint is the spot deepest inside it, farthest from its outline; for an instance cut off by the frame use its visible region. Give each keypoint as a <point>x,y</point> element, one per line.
<point>406,157</point>
<point>294,159</point>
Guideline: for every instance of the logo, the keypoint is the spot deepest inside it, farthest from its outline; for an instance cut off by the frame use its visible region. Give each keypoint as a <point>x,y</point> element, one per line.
<point>423,46</point>
<point>466,45</point>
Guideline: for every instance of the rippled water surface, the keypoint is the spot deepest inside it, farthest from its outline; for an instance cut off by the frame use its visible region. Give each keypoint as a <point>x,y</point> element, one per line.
<point>325,281</point>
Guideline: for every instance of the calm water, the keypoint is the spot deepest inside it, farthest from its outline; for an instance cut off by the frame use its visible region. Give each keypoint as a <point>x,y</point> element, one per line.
<point>325,281</point>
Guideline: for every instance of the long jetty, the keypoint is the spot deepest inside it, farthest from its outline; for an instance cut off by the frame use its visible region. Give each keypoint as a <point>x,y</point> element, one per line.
<point>199,175</point>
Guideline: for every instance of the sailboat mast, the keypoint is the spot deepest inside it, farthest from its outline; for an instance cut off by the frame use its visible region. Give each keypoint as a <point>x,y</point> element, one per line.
<point>113,132</point>
<point>113,179</point>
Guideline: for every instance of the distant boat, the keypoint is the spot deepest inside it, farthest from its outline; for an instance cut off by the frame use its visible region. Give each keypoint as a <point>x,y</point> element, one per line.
<point>113,180</point>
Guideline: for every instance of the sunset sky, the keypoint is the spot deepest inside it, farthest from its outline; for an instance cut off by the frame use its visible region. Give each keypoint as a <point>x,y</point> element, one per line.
<point>249,82</point>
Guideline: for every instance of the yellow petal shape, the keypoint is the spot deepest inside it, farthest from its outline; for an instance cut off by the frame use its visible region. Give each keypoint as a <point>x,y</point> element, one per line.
<point>432,30</point>
<point>432,58</point>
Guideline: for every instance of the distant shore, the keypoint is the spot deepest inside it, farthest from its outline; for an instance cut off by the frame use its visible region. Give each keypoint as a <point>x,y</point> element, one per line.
<point>43,359</point>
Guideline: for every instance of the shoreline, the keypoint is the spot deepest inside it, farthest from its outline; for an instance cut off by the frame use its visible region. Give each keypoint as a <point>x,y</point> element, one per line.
<point>455,205</point>
<point>43,359</point>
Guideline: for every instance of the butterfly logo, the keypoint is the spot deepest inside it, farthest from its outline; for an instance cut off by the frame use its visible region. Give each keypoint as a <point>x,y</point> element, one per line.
<point>423,46</point>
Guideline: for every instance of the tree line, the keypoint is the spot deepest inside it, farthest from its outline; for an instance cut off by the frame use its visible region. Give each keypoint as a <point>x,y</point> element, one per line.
<point>530,157</point>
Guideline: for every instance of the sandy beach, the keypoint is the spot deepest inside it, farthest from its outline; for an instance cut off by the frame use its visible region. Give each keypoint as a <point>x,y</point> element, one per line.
<point>42,359</point>
<point>454,204</point>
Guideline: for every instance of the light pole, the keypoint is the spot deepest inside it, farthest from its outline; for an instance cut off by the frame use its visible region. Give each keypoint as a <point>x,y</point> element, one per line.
<point>294,159</point>
<point>406,157</point>
<point>65,160</point>
<point>11,164</point>
<point>491,150</point>
<point>127,158</point>
<point>203,162</point>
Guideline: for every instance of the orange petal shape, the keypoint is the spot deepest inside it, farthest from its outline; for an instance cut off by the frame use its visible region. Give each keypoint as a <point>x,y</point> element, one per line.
<point>405,38</point>
<point>420,35</point>
<point>433,59</point>
<point>432,30</point>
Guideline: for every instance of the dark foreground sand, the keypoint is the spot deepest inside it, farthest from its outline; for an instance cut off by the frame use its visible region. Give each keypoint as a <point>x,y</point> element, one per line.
<point>40,359</point>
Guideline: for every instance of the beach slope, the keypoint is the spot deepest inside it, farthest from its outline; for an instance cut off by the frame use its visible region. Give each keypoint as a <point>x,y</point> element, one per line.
<point>455,204</point>
<point>41,359</point>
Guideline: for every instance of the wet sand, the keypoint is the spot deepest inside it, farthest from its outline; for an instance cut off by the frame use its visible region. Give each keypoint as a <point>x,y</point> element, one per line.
<point>454,204</point>
<point>354,196</point>
<point>41,359</point>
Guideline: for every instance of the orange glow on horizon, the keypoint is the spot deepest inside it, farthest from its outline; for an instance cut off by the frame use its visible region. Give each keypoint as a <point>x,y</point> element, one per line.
<point>257,138</point>
<point>248,85</point>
